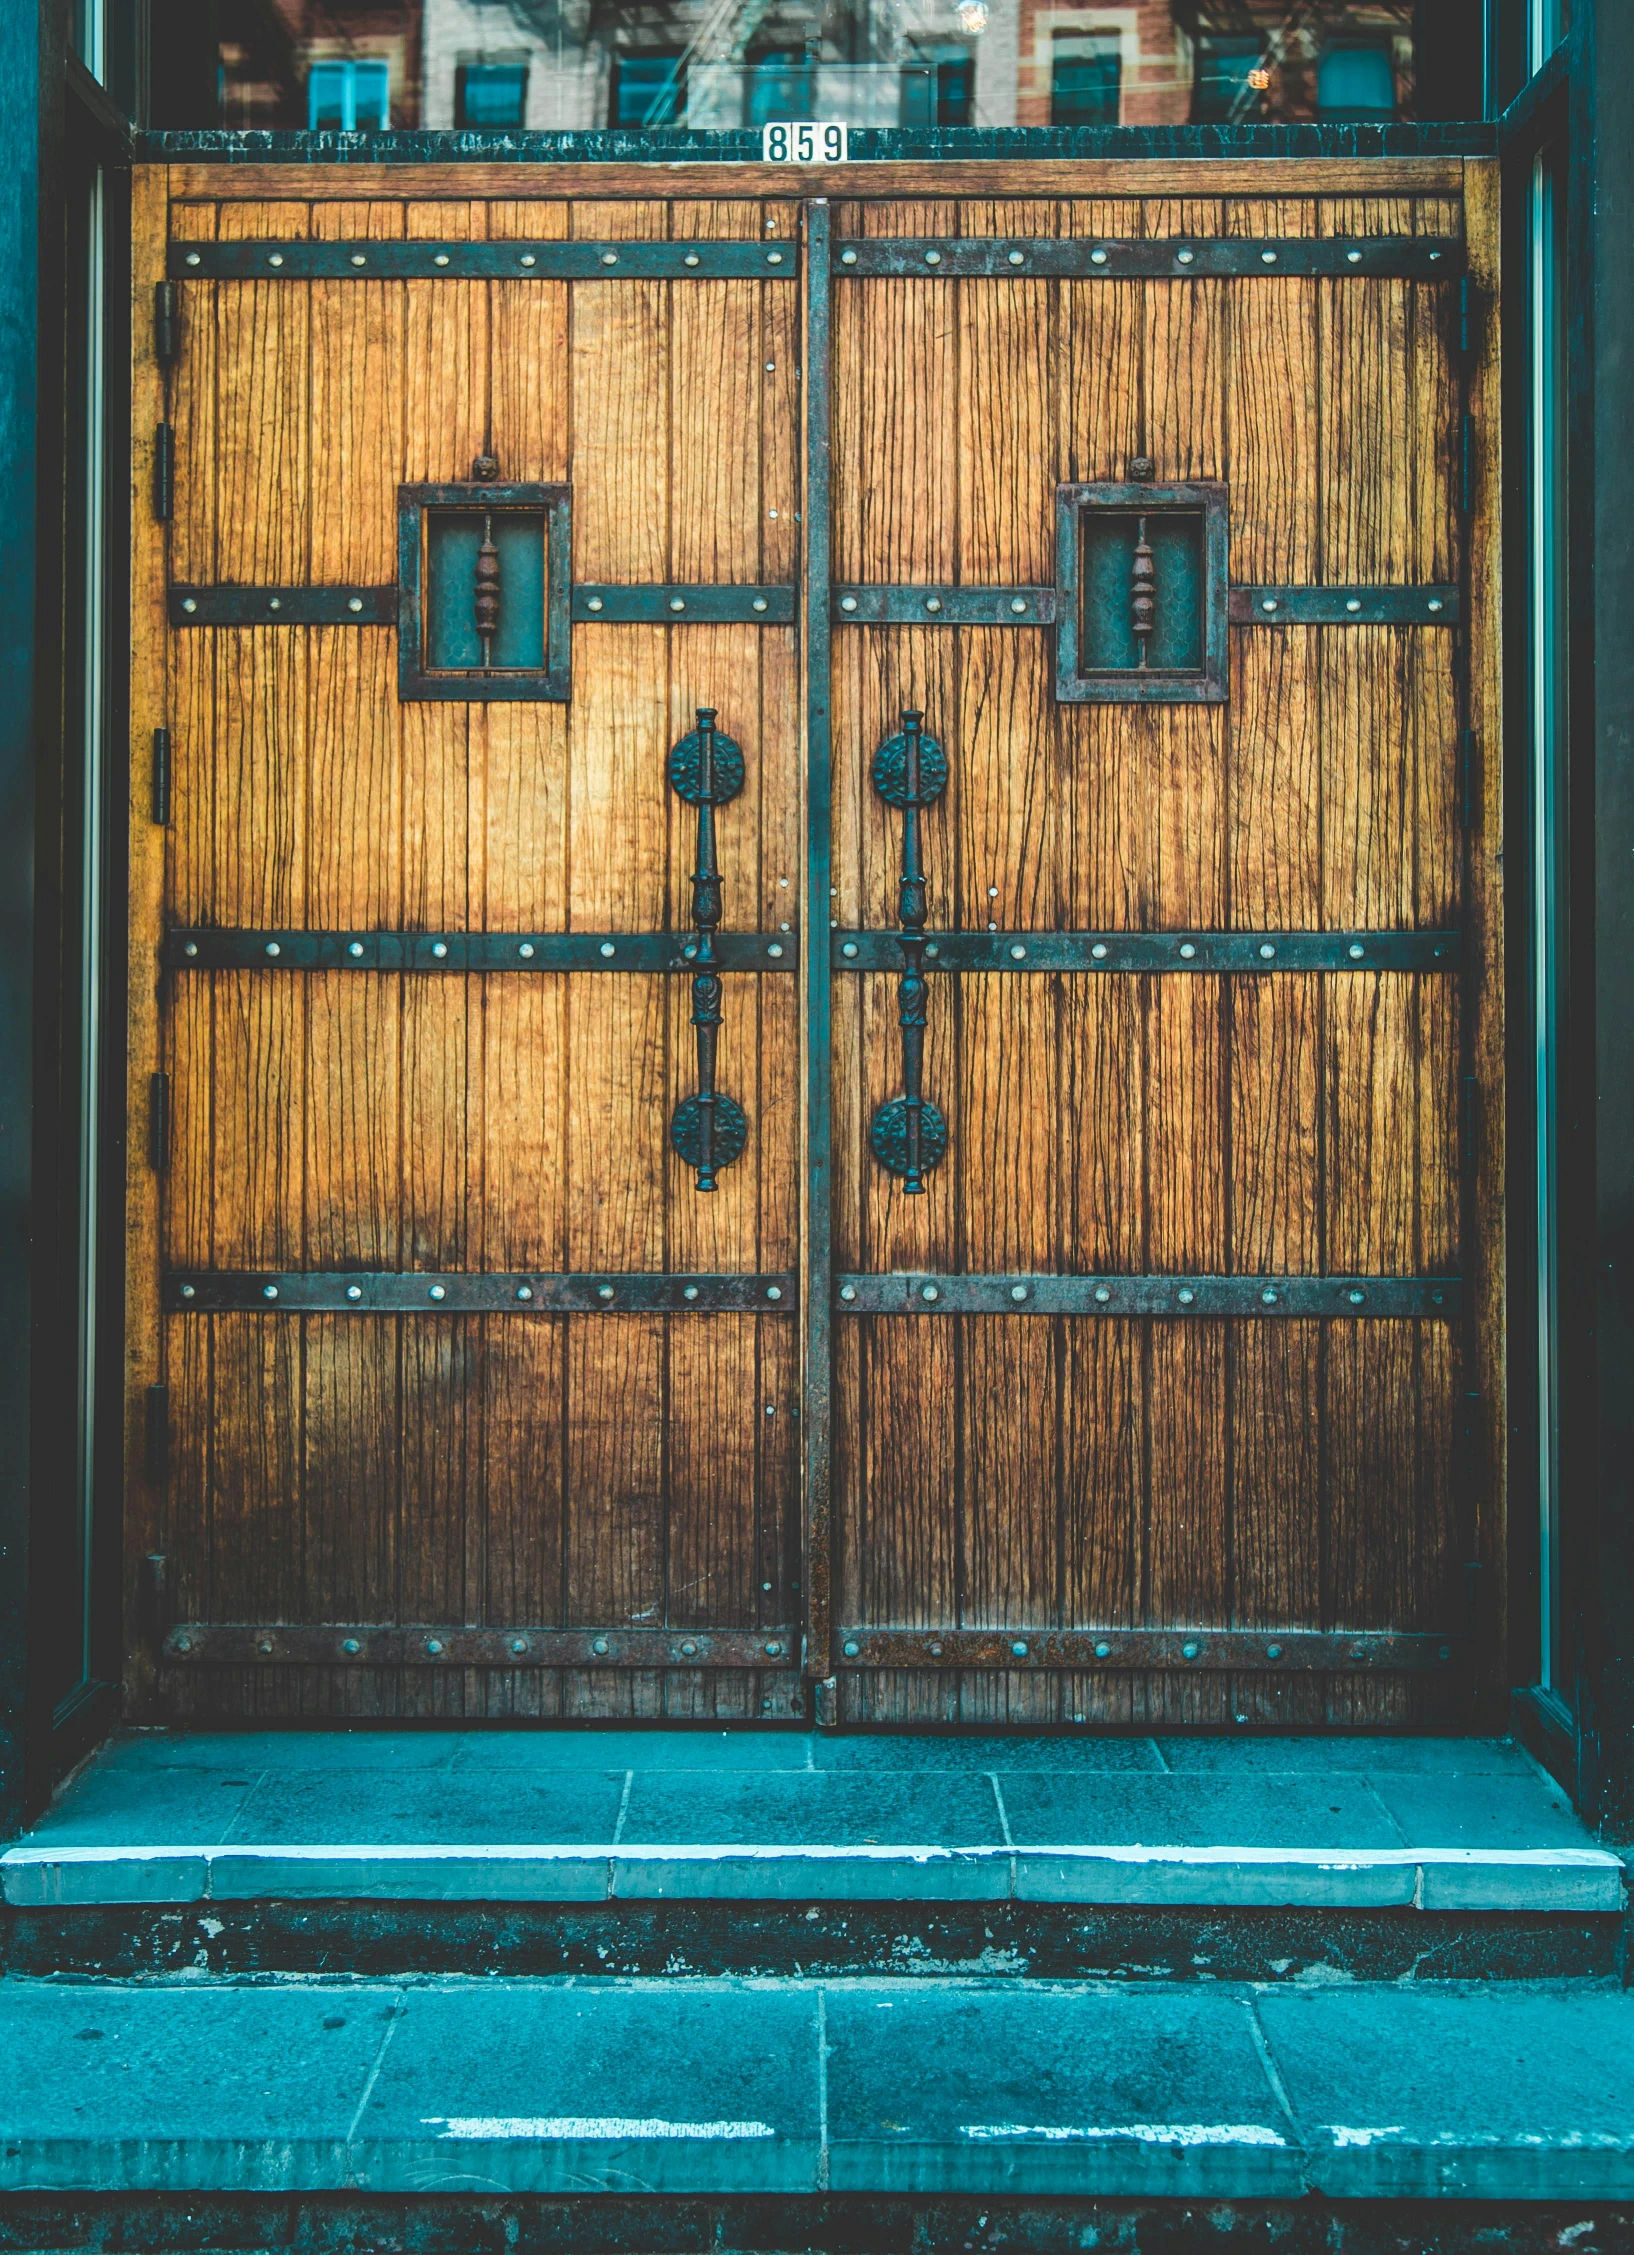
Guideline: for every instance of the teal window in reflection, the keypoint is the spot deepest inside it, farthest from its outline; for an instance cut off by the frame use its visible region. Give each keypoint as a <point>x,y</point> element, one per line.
<point>453,538</point>
<point>1107,625</point>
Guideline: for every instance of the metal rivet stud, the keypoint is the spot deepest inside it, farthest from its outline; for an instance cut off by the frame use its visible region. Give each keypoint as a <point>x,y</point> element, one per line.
<point>1017,258</point>
<point>1187,951</point>
<point>192,258</point>
<point>595,603</point>
<point>1019,1649</point>
<point>848,1292</point>
<point>851,1648</point>
<point>848,948</point>
<point>519,1644</point>
<point>933,258</point>
<point>608,949</point>
<point>688,1648</point>
<point>350,1644</point>
<point>269,1291</point>
<point>524,1291</point>
<point>1436,603</point>
<point>1266,950</point>
<point>689,1291</point>
<point>439,258</point>
<point>1187,1296</point>
<point>1273,1652</point>
<point>1269,603</point>
<point>609,258</point>
<point>188,603</point>
<point>848,258</point>
<point>183,1644</point>
<point>691,259</point>
<point>188,1292</point>
<point>1102,1294</point>
<point>1353,258</point>
<point>774,1652</point>
<point>275,604</point>
<point>354,602</point>
<point>1268,258</point>
<point>933,949</point>
<point>775,950</point>
<point>604,1291</point>
<point>1435,258</point>
<point>527,259</point>
<point>439,949</point>
<point>263,1644</point>
<point>1103,1651</point>
<point>1437,1299</point>
<point>1356,1296</point>
<point>1270,1297</point>
<point>774,258</point>
<point>354,1291</point>
<point>598,1645</point>
<point>677,602</point>
<point>1097,258</point>
<point>1188,1652</point>
<point>848,602</point>
<point>934,1649</point>
<point>1018,1291</point>
<point>1356,951</point>
<point>1184,258</point>
<point>1445,1653</point>
<point>1018,604</point>
<point>774,1291</point>
<point>1018,954</point>
<point>1098,951</point>
<point>1353,603</point>
<point>358,259</point>
<point>758,604</point>
<point>190,947</point>
<point>526,951</point>
<point>929,1292</point>
<point>933,602</point>
<point>277,259</point>
<point>438,1292</point>
<point>273,948</point>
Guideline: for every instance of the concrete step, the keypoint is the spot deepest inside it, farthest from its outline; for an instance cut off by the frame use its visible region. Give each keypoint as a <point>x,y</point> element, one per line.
<point>1494,2092</point>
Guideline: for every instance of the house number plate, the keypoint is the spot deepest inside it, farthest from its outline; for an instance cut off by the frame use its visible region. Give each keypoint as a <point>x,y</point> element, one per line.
<point>803,141</point>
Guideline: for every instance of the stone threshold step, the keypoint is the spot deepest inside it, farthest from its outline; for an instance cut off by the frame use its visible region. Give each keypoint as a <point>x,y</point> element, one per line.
<point>534,1817</point>
<point>1365,2092</point>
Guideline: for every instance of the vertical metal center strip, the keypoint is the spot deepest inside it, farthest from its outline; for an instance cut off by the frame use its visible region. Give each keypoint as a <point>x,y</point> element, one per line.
<point>816,1252</point>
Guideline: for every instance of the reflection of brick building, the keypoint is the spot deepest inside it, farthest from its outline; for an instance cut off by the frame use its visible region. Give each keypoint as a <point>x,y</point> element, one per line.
<point>269,48</point>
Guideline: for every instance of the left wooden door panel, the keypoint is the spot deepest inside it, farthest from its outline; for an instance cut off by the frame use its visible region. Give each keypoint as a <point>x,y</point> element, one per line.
<point>441,1479</point>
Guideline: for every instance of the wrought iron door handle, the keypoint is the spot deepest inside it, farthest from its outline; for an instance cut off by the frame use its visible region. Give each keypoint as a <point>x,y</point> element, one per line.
<point>909,1134</point>
<point>705,769</point>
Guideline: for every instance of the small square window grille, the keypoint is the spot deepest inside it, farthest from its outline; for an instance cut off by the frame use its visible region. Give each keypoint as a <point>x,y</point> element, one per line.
<point>483,586</point>
<point>1141,594</point>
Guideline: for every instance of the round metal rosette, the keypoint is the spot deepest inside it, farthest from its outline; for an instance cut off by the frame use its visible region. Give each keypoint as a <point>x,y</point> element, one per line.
<point>890,771</point>
<point>731,1131</point>
<point>684,768</point>
<point>889,1136</point>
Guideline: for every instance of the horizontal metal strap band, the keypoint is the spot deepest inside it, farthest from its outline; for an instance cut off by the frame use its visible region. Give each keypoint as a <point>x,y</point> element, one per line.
<point>240,1644</point>
<point>513,261</point>
<point>1307,1296</point>
<point>207,949</point>
<point>1181,258</point>
<point>1301,1650</point>
<point>283,606</point>
<point>708,606</point>
<point>1154,951</point>
<point>943,606</point>
<point>427,1292</point>
<point>1344,606</point>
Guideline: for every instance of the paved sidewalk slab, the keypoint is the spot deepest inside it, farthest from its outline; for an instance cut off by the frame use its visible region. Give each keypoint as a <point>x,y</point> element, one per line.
<point>1524,2091</point>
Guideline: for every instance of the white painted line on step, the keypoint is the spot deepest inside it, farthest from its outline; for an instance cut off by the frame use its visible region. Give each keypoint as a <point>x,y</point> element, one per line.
<point>1142,2133</point>
<point>559,2126</point>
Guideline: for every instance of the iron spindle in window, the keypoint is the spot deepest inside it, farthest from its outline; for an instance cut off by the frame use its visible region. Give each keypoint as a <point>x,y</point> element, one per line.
<point>1142,593</point>
<point>709,1130</point>
<point>486,590</point>
<point>909,1134</point>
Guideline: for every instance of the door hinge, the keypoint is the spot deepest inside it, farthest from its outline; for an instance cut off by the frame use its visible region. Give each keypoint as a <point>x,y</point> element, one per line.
<point>1468,778</point>
<point>166,323</point>
<point>159,1122</point>
<point>156,1434</point>
<point>1466,466</point>
<point>161,776</point>
<point>164,472</point>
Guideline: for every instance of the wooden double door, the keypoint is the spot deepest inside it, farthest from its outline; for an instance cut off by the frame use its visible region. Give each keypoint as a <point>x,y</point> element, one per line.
<point>814,955</point>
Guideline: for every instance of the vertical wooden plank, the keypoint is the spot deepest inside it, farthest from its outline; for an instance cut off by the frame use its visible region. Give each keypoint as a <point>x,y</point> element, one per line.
<point>263,418</point>
<point>191,390</point>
